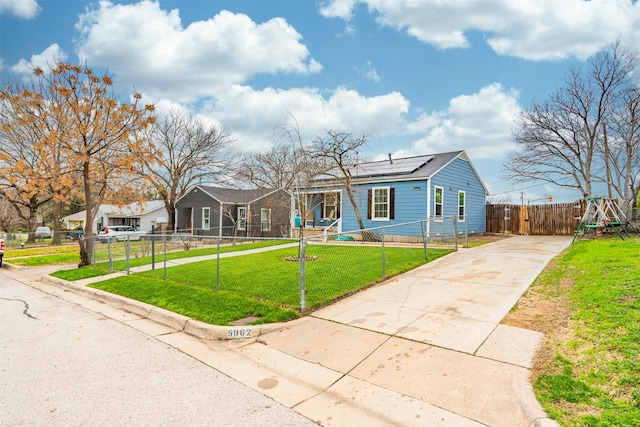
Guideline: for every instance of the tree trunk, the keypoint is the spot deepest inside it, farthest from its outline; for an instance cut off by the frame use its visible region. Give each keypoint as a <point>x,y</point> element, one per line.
<point>355,206</point>
<point>57,215</point>
<point>33,221</point>
<point>87,241</point>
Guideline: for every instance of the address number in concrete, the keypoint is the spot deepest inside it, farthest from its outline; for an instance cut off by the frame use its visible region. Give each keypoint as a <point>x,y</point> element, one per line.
<point>239,333</point>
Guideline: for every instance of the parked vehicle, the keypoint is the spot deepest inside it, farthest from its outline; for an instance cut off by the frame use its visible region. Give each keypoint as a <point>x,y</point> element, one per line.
<point>43,233</point>
<point>121,233</point>
<point>1,251</point>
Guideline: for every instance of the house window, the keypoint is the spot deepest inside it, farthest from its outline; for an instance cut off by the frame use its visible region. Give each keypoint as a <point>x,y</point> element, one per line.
<point>438,203</point>
<point>461,206</point>
<point>380,204</point>
<point>265,219</point>
<point>330,205</point>
<point>242,218</point>
<point>206,218</point>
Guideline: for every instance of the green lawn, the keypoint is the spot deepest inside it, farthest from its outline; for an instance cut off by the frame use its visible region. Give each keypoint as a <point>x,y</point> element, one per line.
<point>591,374</point>
<point>267,278</point>
<point>139,255</point>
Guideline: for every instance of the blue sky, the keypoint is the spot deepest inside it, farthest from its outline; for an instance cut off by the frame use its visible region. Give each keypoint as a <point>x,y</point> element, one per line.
<point>419,76</point>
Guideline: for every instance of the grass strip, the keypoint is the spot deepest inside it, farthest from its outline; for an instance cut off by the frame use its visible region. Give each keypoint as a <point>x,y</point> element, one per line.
<point>206,305</point>
<point>590,375</point>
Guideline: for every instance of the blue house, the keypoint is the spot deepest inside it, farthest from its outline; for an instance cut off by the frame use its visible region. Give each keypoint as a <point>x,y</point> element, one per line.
<point>444,188</point>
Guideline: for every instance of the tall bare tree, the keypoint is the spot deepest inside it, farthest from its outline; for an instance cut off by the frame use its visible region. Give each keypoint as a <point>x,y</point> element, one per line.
<point>561,140</point>
<point>623,150</point>
<point>278,167</point>
<point>190,150</point>
<point>340,152</point>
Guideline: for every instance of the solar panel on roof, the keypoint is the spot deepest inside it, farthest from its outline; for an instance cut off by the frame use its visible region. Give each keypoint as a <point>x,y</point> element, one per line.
<point>394,167</point>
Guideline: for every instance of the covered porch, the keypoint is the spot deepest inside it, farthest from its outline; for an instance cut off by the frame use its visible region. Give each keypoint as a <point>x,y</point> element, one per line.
<point>322,212</point>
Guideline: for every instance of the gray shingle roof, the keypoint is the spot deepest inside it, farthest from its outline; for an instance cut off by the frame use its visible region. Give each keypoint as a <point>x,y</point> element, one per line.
<point>235,196</point>
<point>400,169</point>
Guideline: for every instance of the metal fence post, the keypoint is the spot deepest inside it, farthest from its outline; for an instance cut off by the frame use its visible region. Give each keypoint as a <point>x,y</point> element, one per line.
<point>109,252</point>
<point>383,258</point>
<point>455,230</point>
<point>303,291</point>
<point>164,276</point>
<point>423,225</point>
<point>127,253</point>
<point>218,265</point>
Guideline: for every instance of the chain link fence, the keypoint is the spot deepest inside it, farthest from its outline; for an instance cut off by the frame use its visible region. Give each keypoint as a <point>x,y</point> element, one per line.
<point>304,273</point>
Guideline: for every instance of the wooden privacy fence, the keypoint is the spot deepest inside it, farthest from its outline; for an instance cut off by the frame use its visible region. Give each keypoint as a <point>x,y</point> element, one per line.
<point>547,219</point>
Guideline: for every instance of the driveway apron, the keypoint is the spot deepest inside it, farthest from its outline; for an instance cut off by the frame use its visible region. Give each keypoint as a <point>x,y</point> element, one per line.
<point>427,347</point>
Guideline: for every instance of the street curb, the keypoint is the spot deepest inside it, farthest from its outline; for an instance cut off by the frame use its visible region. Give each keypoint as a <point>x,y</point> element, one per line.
<point>165,317</point>
<point>544,422</point>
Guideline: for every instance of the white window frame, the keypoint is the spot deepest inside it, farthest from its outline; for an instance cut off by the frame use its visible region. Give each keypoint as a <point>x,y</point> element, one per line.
<point>206,218</point>
<point>374,203</point>
<point>438,218</point>
<point>462,218</point>
<point>334,206</point>
<point>264,211</point>
<point>242,218</point>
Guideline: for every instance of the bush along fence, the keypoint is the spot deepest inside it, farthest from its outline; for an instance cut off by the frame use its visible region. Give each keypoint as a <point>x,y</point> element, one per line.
<point>303,274</point>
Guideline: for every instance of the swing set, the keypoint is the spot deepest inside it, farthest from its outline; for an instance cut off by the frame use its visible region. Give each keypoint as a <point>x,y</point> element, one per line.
<point>601,215</point>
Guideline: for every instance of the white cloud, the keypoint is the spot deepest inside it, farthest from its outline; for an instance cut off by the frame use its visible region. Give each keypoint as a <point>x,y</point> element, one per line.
<point>142,42</point>
<point>369,72</point>
<point>480,124</point>
<point>338,9</point>
<point>533,30</point>
<point>44,60</point>
<point>254,115</point>
<point>26,9</point>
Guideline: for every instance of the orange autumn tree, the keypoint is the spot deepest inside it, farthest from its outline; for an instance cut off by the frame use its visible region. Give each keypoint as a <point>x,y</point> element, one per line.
<point>26,176</point>
<point>92,142</point>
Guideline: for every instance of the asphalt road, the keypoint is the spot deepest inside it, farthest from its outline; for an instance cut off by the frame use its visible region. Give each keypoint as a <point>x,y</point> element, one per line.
<point>63,365</point>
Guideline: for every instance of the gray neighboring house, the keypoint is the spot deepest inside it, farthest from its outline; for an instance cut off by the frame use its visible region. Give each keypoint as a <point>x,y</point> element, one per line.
<point>217,211</point>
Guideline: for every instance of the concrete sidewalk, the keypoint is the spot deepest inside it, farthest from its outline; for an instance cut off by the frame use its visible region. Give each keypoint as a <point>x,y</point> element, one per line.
<point>425,348</point>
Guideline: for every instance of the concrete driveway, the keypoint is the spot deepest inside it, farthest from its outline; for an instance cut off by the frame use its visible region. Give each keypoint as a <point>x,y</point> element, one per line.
<point>425,348</point>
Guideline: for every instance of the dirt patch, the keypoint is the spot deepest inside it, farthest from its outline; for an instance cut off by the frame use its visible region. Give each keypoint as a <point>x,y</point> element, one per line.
<point>549,313</point>
<point>297,259</point>
<point>486,238</point>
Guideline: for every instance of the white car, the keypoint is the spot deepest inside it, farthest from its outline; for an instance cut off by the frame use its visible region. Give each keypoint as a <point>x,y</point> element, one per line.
<point>120,233</point>
<point>43,233</point>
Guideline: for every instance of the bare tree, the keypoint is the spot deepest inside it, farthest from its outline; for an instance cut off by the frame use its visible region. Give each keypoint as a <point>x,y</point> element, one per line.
<point>340,152</point>
<point>190,150</point>
<point>562,139</point>
<point>277,168</point>
<point>623,147</point>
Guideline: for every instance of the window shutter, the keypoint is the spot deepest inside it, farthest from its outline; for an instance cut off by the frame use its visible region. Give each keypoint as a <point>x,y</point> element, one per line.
<point>369,203</point>
<point>337,205</point>
<point>392,203</point>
